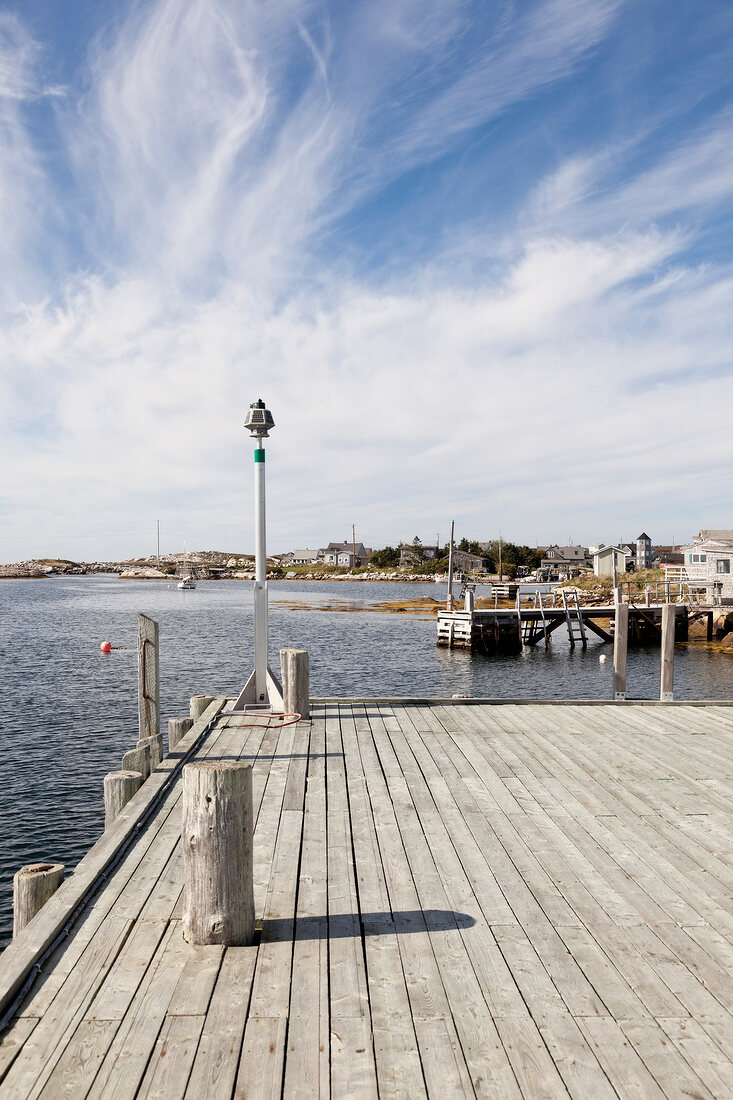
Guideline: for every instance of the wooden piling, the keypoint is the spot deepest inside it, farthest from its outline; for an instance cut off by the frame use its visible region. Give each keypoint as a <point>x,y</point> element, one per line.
<point>177,728</point>
<point>295,665</point>
<point>669,616</point>
<point>156,749</point>
<point>33,885</point>
<point>119,787</point>
<point>217,834</point>
<point>137,760</point>
<point>620,649</point>
<point>198,705</point>
<point>148,677</point>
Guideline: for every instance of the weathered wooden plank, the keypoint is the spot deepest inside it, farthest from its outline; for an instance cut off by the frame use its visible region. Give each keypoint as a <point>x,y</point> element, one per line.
<point>670,1070</point>
<point>307,1051</point>
<point>626,1071</point>
<point>485,1058</point>
<point>215,1065</point>
<point>170,1063</point>
<point>78,1065</point>
<point>42,1050</point>
<point>261,1064</point>
<point>126,1061</point>
<point>398,1063</point>
<point>536,1072</point>
<point>37,938</point>
<point>12,1041</point>
<point>703,1056</point>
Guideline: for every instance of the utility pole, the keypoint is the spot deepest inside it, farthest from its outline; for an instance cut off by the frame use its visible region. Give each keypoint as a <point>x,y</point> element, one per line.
<point>353,546</point>
<point>449,602</point>
<point>501,575</point>
<point>158,544</point>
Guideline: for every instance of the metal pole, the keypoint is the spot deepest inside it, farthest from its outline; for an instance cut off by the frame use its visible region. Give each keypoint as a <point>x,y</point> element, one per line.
<point>158,522</point>
<point>260,593</point>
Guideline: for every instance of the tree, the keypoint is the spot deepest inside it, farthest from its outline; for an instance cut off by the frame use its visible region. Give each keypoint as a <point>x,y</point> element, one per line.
<point>386,557</point>
<point>415,555</point>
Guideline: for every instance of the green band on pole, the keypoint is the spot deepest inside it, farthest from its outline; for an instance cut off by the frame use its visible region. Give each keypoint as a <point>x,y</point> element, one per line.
<point>260,454</point>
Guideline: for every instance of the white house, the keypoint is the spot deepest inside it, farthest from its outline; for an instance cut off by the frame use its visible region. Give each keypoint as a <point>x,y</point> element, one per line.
<point>708,561</point>
<point>603,560</point>
<point>300,557</point>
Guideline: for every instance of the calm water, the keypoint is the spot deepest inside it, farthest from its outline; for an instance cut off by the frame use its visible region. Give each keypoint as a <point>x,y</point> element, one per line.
<point>70,712</point>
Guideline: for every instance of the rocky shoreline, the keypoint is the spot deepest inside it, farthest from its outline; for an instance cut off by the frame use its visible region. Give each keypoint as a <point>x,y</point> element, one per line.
<point>208,565</point>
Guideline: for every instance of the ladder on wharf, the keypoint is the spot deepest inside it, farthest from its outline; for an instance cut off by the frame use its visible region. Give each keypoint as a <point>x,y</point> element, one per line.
<point>574,618</point>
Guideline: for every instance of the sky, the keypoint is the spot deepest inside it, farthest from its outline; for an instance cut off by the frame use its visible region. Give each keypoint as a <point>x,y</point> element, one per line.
<point>477,258</point>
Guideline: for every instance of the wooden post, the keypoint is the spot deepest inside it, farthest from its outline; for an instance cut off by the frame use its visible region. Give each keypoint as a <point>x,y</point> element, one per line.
<point>217,853</point>
<point>198,705</point>
<point>119,787</point>
<point>177,728</point>
<point>669,616</point>
<point>156,749</point>
<point>295,665</point>
<point>33,885</point>
<point>148,677</point>
<point>137,760</point>
<point>709,632</point>
<point>647,594</point>
<point>620,649</point>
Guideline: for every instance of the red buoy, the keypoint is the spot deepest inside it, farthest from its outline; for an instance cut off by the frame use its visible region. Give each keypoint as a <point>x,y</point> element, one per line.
<point>106,647</point>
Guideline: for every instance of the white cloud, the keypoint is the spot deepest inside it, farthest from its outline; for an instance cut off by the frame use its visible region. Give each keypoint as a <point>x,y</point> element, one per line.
<point>214,148</point>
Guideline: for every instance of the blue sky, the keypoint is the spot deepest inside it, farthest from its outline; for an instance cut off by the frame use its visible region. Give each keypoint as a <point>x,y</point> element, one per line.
<point>475,257</point>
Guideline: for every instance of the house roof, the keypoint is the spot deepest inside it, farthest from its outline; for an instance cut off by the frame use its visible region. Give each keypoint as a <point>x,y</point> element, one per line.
<point>570,553</point>
<point>604,549</point>
<point>346,548</point>
<point>643,536</point>
<point>716,535</point>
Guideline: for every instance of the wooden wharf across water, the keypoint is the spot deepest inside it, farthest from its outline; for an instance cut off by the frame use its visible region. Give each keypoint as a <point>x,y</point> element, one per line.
<point>453,899</point>
<point>507,629</point>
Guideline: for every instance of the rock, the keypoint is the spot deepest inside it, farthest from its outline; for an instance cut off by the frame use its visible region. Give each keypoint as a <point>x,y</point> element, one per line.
<point>722,623</point>
<point>698,628</point>
<point>727,641</point>
<point>143,575</point>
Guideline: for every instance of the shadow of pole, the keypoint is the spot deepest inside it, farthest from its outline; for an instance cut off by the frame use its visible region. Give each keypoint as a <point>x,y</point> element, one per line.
<point>344,925</point>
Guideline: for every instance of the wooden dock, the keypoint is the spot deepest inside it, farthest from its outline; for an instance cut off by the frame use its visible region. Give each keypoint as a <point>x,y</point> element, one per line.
<point>455,899</point>
<point>507,629</point>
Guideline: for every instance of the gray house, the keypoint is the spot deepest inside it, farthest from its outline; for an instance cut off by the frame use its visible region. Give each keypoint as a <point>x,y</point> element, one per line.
<point>411,554</point>
<point>566,559</point>
<point>643,555</point>
<point>342,553</point>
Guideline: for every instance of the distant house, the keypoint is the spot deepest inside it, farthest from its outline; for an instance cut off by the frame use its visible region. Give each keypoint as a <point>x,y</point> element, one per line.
<point>667,555</point>
<point>299,557</point>
<point>468,563</point>
<point>342,553</point>
<point>410,554</point>
<point>604,558</point>
<point>708,562</point>
<point>565,559</point>
<point>643,552</point>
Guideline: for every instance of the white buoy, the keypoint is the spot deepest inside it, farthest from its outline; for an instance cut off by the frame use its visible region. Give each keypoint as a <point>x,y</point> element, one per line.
<point>602,658</point>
